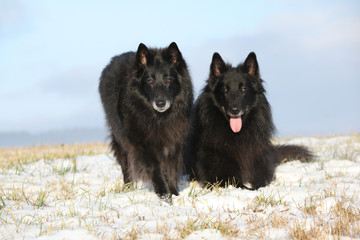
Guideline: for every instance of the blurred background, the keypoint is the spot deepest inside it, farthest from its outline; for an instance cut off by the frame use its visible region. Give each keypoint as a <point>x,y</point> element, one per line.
<point>52,54</point>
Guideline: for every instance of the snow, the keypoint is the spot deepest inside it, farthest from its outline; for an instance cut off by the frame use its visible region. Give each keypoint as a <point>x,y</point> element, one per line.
<point>84,198</point>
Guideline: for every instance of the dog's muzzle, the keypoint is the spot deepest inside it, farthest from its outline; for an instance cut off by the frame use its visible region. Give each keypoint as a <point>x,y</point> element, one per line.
<point>161,105</point>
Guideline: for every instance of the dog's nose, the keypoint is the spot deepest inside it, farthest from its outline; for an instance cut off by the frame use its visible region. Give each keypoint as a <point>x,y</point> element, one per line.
<point>235,111</point>
<point>160,103</point>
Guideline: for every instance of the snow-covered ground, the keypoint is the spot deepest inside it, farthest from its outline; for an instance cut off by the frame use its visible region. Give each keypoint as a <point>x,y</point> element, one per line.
<point>84,198</point>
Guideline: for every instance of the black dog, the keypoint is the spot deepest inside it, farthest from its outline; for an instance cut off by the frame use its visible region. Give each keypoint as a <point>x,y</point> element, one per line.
<point>147,98</point>
<point>232,128</point>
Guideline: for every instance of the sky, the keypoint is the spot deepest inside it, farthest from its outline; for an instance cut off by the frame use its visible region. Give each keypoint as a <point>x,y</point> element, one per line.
<point>52,54</point>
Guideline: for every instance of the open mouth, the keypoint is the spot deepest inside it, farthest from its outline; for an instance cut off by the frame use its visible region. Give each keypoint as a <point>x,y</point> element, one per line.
<point>235,121</point>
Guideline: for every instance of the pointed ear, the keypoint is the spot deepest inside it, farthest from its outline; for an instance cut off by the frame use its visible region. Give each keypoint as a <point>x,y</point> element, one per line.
<point>217,66</point>
<point>141,55</point>
<point>175,56</point>
<point>251,66</point>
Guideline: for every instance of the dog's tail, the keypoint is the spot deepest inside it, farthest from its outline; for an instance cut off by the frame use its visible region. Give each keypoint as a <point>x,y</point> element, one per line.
<point>294,152</point>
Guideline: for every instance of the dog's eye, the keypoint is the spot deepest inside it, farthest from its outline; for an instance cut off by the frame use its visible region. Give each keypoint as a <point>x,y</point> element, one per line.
<point>168,79</point>
<point>150,81</point>
<point>225,89</point>
<point>244,89</point>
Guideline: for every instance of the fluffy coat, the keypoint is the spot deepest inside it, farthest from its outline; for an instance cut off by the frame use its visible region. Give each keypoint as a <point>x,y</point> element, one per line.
<point>147,97</point>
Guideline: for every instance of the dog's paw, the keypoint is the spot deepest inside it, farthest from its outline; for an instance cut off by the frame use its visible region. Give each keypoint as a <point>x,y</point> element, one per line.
<point>167,198</point>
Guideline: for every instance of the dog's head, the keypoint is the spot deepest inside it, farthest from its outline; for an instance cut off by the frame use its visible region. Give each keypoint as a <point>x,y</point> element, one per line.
<point>159,73</point>
<point>235,89</point>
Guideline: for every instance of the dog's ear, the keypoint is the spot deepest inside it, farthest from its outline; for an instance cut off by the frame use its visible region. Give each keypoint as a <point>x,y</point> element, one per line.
<point>174,54</point>
<point>141,55</point>
<point>251,66</point>
<point>218,65</point>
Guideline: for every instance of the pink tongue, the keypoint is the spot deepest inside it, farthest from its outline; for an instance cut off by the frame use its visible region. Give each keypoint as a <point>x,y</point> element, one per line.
<point>235,124</point>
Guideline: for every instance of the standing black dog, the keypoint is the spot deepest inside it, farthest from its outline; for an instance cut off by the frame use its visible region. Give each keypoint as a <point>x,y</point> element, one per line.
<point>147,98</point>
<point>232,128</point>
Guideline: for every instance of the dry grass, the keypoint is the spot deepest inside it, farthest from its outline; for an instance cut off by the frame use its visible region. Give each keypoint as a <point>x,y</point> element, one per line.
<point>345,221</point>
<point>226,227</point>
<point>329,210</point>
<point>10,157</point>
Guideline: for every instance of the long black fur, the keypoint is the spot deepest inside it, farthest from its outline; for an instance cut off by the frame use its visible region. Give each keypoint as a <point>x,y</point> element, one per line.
<point>217,154</point>
<point>147,98</point>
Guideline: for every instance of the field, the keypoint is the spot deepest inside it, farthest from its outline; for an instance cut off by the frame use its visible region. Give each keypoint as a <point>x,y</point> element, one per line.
<point>76,192</point>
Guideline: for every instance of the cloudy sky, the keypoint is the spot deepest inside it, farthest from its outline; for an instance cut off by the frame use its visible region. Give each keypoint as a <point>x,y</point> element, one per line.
<point>52,54</point>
